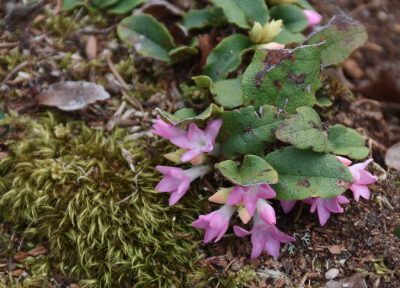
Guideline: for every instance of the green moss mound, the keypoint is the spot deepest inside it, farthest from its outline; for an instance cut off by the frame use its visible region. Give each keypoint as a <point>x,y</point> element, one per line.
<point>65,185</point>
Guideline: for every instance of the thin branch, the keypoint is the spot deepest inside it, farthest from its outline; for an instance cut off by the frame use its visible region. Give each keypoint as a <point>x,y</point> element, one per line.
<point>15,70</point>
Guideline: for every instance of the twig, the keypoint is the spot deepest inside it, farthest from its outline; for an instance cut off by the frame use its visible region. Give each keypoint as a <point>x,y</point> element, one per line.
<point>9,45</point>
<point>340,75</point>
<point>135,103</point>
<point>298,213</point>
<point>22,240</point>
<point>12,72</point>
<point>58,7</point>
<point>115,118</point>
<point>73,22</point>
<point>208,184</point>
<point>115,72</point>
<point>171,107</point>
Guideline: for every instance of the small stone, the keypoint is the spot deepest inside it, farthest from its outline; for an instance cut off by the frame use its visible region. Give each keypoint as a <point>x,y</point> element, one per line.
<point>332,274</point>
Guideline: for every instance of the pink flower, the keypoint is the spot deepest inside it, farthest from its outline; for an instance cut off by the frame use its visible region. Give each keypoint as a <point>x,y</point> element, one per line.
<point>326,206</point>
<point>178,181</point>
<point>196,140</point>
<point>361,178</point>
<point>215,223</point>
<point>313,17</point>
<point>264,236</point>
<point>288,205</point>
<point>166,130</point>
<point>266,212</point>
<point>250,195</point>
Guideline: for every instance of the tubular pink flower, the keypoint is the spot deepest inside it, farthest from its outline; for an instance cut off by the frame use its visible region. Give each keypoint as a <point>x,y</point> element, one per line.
<point>326,206</point>
<point>215,223</point>
<point>166,130</point>
<point>264,236</point>
<point>250,195</point>
<point>178,181</point>
<point>196,140</point>
<point>361,178</point>
<point>313,17</point>
<point>288,205</point>
<point>266,212</point>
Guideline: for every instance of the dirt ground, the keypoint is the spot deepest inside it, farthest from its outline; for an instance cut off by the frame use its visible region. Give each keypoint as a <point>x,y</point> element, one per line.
<point>360,240</point>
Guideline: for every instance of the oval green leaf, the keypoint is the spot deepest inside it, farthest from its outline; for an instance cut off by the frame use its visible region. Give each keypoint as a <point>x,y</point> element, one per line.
<point>304,174</point>
<point>244,12</point>
<point>304,131</point>
<point>148,36</point>
<point>226,57</point>
<point>347,142</point>
<point>342,35</point>
<point>244,132</point>
<point>68,5</point>
<point>125,6</point>
<point>286,37</point>
<point>102,4</point>
<point>198,19</point>
<point>292,16</point>
<point>228,93</point>
<point>284,78</point>
<point>253,171</point>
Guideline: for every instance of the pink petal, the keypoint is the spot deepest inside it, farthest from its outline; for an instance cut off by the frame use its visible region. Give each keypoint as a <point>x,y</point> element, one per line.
<point>222,232</point>
<point>344,160</point>
<point>166,130</point>
<point>360,190</point>
<point>362,166</point>
<point>185,185</point>
<point>212,129</point>
<point>323,214</point>
<point>355,173</point>
<point>315,203</point>
<point>266,212</point>
<point>264,191</point>
<point>168,184</point>
<point>281,237</point>
<point>308,201</point>
<point>211,233</point>
<point>218,220</point>
<point>195,133</point>
<point>175,196</point>
<point>287,205</point>
<point>313,17</point>
<point>258,242</point>
<point>250,202</point>
<point>366,178</point>
<point>240,232</point>
<point>200,224</point>
<point>236,196</point>
<point>342,199</point>
<point>183,141</point>
<point>166,169</point>
<point>332,205</point>
<point>272,245</point>
<point>191,154</point>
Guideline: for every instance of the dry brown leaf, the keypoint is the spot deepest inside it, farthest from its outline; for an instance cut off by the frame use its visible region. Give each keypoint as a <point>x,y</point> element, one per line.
<point>159,9</point>
<point>392,157</point>
<point>335,249</point>
<point>41,250</point>
<point>16,273</point>
<point>69,96</point>
<point>207,43</point>
<point>3,155</point>
<point>20,256</point>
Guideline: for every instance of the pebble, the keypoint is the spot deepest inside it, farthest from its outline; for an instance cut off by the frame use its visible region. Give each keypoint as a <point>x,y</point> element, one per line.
<point>332,274</point>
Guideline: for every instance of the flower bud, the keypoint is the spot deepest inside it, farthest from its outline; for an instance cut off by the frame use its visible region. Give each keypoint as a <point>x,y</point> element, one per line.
<point>243,214</point>
<point>313,17</point>
<point>271,30</point>
<point>176,156</point>
<point>221,196</point>
<point>271,45</point>
<point>256,33</point>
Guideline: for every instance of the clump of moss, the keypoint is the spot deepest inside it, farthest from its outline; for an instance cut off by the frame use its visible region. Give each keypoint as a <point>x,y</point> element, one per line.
<point>126,67</point>
<point>102,222</point>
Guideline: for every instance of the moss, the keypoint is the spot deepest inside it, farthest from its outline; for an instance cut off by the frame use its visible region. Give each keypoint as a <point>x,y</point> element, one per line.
<point>67,182</point>
<point>126,67</point>
<point>13,60</point>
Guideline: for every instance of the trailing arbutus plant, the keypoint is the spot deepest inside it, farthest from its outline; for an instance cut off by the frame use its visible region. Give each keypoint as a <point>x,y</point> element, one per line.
<point>266,139</point>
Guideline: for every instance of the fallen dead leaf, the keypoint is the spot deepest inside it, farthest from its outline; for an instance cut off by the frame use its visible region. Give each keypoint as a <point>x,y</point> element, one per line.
<point>69,96</point>
<point>335,249</point>
<point>41,250</point>
<point>20,256</point>
<point>280,282</point>
<point>392,157</point>
<point>16,273</point>
<point>207,43</point>
<point>262,284</point>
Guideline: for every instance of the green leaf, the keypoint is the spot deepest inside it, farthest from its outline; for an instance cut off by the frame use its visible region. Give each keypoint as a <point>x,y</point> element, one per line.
<point>292,16</point>
<point>226,57</point>
<point>244,12</point>
<point>253,171</point>
<point>228,93</point>
<point>304,173</point>
<point>125,6</point>
<point>186,116</point>
<point>148,36</point>
<point>68,5</point>
<point>342,36</point>
<point>304,131</point>
<point>305,5</point>
<point>198,19</point>
<point>323,102</point>
<point>286,37</point>
<point>177,54</point>
<point>202,81</point>
<point>347,142</point>
<point>279,76</point>
<point>397,232</point>
<point>244,132</point>
<point>102,4</point>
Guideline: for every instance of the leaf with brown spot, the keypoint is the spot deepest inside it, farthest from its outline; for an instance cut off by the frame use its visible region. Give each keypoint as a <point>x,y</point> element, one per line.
<point>305,173</point>
<point>69,96</point>
<point>342,36</point>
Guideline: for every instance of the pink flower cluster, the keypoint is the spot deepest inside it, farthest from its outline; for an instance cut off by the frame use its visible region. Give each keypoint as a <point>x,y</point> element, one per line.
<point>249,201</point>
